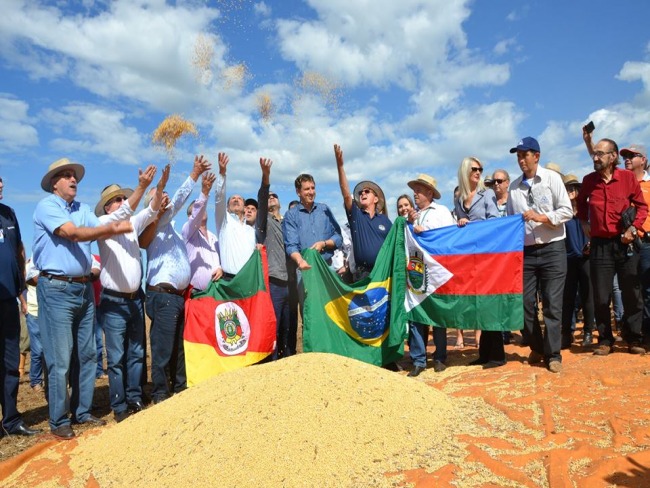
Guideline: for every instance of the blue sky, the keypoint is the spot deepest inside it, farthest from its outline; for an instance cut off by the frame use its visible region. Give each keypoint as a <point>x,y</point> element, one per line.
<point>420,85</point>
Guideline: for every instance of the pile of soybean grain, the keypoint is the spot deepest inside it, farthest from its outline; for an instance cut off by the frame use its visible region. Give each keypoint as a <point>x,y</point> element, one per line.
<point>308,420</point>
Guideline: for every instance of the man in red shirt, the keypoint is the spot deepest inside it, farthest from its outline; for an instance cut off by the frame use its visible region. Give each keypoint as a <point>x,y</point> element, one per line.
<point>605,195</point>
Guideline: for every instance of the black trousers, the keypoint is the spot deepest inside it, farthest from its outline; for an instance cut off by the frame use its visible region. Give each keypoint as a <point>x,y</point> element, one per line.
<point>490,346</point>
<point>578,278</point>
<point>9,358</point>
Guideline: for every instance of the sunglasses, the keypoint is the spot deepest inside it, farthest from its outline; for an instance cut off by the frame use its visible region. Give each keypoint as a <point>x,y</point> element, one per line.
<point>273,195</point>
<point>365,190</point>
<point>531,200</point>
<point>498,181</point>
<point>66,174</point>
<point>118,200</point>
<point>632,156</point>
<point>475,169</point>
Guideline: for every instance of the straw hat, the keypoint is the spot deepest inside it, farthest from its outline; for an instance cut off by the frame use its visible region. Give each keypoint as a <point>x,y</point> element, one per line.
<point>58,166</point>
<point>108,193</point>
<point>428,181</point>
<point>381,204</point>
<point>554,167</point>
<point>571,180</point>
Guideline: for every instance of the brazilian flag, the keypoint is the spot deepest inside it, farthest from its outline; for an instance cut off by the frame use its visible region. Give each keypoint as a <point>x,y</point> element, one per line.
<point>365,320</point>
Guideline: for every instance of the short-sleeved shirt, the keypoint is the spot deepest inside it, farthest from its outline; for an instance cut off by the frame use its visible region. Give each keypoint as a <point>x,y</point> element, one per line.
<point>58,255</point>
<point>11,282</point>
<point>368,234</point>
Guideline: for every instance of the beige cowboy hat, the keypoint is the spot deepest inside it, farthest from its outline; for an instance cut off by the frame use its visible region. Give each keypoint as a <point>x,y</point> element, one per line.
<point>381,204</point>
<point>571,180</point>
<point>428,181</point>
<point>108,193</point>
<point>58,166</point>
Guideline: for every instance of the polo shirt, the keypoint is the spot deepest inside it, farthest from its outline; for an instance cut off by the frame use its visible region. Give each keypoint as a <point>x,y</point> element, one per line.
<point>58,255</point>
<point>368,234</point>
<point>11,281</point>
<point>602,204</point>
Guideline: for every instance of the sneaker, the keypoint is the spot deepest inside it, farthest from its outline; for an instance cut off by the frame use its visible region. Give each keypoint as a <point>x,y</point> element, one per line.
<point>535,357</point>
<point>555,366</point>
<point>602,350</point>
<point>37,388</point>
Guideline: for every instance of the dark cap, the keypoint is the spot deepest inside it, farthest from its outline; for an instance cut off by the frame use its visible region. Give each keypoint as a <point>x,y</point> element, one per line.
<point>250,201</point>
<point>526,144</point>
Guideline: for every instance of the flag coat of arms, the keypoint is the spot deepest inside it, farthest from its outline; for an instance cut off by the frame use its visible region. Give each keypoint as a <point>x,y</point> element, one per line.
<point>365,320</point>
<point>467,277</point>
<point>231,324</point>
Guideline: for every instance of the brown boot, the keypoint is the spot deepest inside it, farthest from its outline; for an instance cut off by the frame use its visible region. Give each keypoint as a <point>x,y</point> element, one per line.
<point>21,364</point>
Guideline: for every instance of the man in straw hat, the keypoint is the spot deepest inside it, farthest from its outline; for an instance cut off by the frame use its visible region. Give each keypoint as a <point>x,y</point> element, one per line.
<point>606,194</point>
<point>168,277</point>
<point>63,229</point>
<point>366,213</point>
<point>538,194</point>
<point>121,307</point>
<point>12,284</point>
<point>430,215</point>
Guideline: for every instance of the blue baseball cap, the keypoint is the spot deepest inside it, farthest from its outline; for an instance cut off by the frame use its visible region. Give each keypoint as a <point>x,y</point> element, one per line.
<point>526,144</point>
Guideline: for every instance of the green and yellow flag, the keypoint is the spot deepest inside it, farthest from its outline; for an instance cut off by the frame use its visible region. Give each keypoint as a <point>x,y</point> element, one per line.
<point>365,320</point>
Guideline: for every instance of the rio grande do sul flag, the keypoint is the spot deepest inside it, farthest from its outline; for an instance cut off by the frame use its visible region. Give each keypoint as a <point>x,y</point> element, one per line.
<point>365,320</point>
<point>467,277</point>
<point>231,324</point>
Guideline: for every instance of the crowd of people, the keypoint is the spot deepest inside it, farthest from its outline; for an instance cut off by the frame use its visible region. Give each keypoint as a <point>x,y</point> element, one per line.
<point>578,237</point>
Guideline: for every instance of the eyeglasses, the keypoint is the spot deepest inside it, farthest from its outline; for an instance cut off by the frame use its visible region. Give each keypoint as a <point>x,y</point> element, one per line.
<point>531,200</point>
<point>632,156</point>
<point>475,169</point>
<point>66,174</point>
<point>498,181</point>
<point>600,154</point>
<point>365,190</point>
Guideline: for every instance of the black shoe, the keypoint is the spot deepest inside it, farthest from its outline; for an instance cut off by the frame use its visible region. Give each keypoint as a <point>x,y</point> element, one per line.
<point>158,399</point>
<point>91,420</point>
<point>64,432</point>
<point>493,364</point>
<point>439,366</point>
<point>121,416</point>
<point>587,339</point>
<point>416,371</point>
<point>135,407</point>
<point>477,362</point>
<point>22,429</point>
<point>567,341</point>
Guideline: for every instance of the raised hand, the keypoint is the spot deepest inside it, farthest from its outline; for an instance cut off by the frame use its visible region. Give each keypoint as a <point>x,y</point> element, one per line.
<point>223,163</point>
<point>201,165</point>
<point>207,181</point>
<point>164,178</point>
<point>145,178</point>
<point>338,154</point>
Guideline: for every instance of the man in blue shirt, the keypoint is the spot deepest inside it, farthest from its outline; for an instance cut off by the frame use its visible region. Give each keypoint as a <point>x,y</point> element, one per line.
<point>309,225</point>
<point>366,212</point>
<point>63,229</point>
<point>12,283</point>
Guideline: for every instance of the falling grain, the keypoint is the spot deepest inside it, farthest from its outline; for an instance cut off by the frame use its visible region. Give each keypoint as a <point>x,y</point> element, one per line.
<point>170,130</point>
<point>265,106</point>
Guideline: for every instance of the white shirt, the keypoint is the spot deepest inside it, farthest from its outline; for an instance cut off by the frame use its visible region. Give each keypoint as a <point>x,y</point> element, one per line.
<point>120,254</point>
<point>545,194</point>
<point>434,216</point>
<point>236,237</point>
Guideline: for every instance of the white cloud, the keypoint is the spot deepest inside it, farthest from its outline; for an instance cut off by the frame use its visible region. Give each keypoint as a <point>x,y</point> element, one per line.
<point>504,46</point>
<point>262,9</point>
<point>16,129</point>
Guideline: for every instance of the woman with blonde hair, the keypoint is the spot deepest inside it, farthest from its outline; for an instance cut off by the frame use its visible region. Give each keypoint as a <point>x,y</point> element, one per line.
<point>476,202</point>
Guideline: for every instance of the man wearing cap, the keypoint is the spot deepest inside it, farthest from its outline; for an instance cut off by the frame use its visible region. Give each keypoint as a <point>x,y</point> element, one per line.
<point>236,237</point>
<point>309,225</point>
<point>12,284</point>
<point>540,197</point>
<point>168,277</point>
<point>366,213</point>
<point>605,195</point>
<point>430,215</point>
<point>250,211</point>
<point>636,160</point>
<point>63,229</point>
<point>578,276</point>
<point>121,311</point>
<point>201,244</point>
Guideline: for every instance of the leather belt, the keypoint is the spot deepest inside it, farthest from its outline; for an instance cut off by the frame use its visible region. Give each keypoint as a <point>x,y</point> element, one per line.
<point>69,279</point>
<point>166,289</point>
<point>119,294</point>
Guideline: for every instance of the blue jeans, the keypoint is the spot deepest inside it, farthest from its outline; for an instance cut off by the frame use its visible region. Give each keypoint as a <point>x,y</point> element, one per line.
<point>617,301</point>
<point>167,314</point>
<point>66,313</point>
<point>280,298</point>
<point>99,345</point>
<point>9,359</point>
<point>35,352</point>
<point>123,323</point>
<point>418,338</point>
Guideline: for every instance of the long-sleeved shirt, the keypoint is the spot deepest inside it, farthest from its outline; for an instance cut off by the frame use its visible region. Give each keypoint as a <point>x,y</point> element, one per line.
<point>602,204</point>
<point>483,206</point>
<point>201,249</point>
<point>268,229</point>
<point>434,216</point>
<point>302,228</point>
<point>167,260</point>
<point>120,254</point>
<point>236,237</point>
<point>545,194</point>
<point>55,254</point>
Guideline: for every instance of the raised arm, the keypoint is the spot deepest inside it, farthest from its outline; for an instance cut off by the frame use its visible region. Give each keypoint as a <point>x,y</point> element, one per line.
<point>220,193</point>
<point>263,201</point>
<point>343,179</point>
<point>160,187</point>
<point>586,136</point>
<point>199,207</point>
<point>144,180</point>
<point>81,234</point>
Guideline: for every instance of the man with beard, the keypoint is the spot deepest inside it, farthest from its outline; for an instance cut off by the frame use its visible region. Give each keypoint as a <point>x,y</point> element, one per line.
<point>605,195</point>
